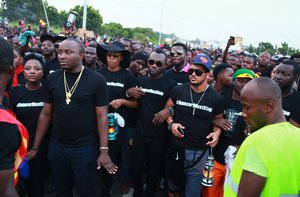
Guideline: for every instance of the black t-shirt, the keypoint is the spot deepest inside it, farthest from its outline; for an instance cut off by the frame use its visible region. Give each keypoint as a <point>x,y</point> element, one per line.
<point>6,103</point>
<point>179,77</point>
<point>51,66</point>
<point>291,106</point>
<point>10,140</point>
<point>27,105</point>
<point>157,92</point>
<point>199,125</point>
<point>75,124</point>
<point>117,84</point>
<point>234,137</point>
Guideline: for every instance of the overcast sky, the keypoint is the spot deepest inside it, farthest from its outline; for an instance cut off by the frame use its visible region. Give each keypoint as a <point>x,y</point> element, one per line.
<point>272,21</point>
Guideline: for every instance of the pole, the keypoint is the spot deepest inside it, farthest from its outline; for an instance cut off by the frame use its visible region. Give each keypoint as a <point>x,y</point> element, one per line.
<point>84,14</point>
<point>46,14</point>
<point>161,16</point>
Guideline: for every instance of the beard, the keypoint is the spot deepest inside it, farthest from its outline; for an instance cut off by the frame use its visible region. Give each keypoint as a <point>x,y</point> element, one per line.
<point>196,84</point>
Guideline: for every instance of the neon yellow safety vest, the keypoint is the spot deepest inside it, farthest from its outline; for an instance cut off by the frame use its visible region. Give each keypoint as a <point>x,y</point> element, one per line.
<point>278,146</point>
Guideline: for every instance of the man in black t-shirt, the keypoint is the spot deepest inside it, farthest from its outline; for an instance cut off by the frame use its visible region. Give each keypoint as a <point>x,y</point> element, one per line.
<point>223,77</point>
<point>285,74</point>
<point>180,66</point>
<point>78,110</point>
<point>150,139</point>
<point>195,105</point>
<point>10,137</point>
<point>233,130</point>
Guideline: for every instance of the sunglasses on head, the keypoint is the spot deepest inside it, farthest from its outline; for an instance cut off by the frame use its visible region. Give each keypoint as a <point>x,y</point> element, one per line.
<point>157,63</point>
<point>178,52</point>
<point>196,71</point>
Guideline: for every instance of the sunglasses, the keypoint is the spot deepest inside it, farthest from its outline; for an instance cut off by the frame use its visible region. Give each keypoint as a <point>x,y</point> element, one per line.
<point>196,71</point>
<point>178,52</point>
<point>157,63</point>
<point>113,55</point>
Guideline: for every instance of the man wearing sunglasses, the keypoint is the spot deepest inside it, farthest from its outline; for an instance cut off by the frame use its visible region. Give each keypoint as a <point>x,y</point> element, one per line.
<point>195,106</point>
<point>179,64</point>
<point>150,139</point>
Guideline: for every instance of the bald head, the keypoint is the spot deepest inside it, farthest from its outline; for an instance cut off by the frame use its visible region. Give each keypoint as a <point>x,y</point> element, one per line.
<point>261,100</point>
<point>262,89</point>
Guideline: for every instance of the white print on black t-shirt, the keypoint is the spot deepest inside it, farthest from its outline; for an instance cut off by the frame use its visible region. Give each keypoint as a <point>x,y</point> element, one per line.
<point>33,104</point>
<point>151,91</point>
<point>121,85</point>
<point>194,105</point>
<point>286,113</point>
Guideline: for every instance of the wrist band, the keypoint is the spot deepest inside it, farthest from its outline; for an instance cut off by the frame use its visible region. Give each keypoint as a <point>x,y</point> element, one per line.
<point>35,149</point>
<point>103,148</point>
<point>171,110</point>
<point>170,125</point>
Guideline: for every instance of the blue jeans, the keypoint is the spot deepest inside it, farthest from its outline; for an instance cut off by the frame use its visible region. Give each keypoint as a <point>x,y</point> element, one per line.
<point>74,165</point>
<point>194,174</point>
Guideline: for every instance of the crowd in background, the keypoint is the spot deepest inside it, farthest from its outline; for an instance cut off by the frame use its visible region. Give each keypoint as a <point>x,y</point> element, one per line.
<point>170,107</point>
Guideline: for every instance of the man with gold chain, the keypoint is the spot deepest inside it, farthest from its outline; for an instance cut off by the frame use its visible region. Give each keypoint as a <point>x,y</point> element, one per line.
<point>76,103</point>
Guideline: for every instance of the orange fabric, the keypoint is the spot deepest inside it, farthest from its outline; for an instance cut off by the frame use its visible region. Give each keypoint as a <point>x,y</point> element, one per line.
<point>18,70</point>
<point>22,151</point>
<point>217,190</point>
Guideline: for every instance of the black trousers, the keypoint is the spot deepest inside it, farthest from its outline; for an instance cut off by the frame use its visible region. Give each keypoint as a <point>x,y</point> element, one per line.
<point>150,151</point>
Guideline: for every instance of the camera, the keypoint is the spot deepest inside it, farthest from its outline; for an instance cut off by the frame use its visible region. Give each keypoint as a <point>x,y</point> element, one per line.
<point>71,20</point>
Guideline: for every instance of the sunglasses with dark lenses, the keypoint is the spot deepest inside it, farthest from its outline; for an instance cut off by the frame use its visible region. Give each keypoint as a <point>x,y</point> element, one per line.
<point>197,72</point>
<point>113,55</point>
<point>178,52</point>
<point>157,63</point>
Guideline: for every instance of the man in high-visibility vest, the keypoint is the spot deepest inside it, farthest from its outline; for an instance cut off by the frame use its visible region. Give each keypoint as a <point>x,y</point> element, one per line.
<point>13,135</point>
<point>267,163</point>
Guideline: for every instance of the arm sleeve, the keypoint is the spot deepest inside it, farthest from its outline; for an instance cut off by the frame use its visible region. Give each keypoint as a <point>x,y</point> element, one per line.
<point>296,115</point>
<point>254,163</point>
<point>175,94</point>
<point>48,93</point>
<point>101,92</point>
<point>9,143</point>
<point>220,106</point>
<point>132,80</point>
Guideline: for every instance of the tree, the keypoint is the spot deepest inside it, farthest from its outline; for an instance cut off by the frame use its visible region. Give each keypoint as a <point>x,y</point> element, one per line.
<point>265,46</point>
<point>284,49</point>
<point>17,9</point>
<point>94,19</point>
<point>113,29</point>
<point>251,49</point>
<point>55,18</point>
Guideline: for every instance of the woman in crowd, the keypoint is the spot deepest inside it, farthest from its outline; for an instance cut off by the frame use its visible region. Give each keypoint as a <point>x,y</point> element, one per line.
<point>27,101</point>
<point>118,81</point>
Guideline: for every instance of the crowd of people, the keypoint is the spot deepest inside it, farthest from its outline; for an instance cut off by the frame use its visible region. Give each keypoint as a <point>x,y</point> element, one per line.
<point>78,110</point>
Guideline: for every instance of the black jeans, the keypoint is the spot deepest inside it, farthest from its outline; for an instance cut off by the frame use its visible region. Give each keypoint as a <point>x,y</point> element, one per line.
<point>152,150</point>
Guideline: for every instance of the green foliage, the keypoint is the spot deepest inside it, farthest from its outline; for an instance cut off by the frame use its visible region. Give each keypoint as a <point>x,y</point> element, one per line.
<point>265,46</point>
<point>112,29</point>
<point>17,9</point>
<point>94,19</point>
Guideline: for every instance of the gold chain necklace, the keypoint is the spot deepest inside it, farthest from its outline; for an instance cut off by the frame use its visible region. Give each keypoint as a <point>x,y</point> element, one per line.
<point>69,92</point>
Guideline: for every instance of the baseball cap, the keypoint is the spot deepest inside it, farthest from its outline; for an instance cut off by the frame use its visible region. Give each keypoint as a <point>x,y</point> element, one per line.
<point>204,60</point>
<point>243,73</point>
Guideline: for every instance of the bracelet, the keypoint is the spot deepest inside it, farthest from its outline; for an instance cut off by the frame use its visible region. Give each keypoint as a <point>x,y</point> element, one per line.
<point>127,94</point>
<point>35,149</point>
<point>103,148</point>
<point>172,111</point>
<point>170,125</point>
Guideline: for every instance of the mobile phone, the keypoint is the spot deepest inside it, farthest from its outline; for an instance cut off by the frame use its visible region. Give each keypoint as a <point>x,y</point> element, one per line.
<point>232,38</point>
<point>71,20</point>
<point>180,130</point>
